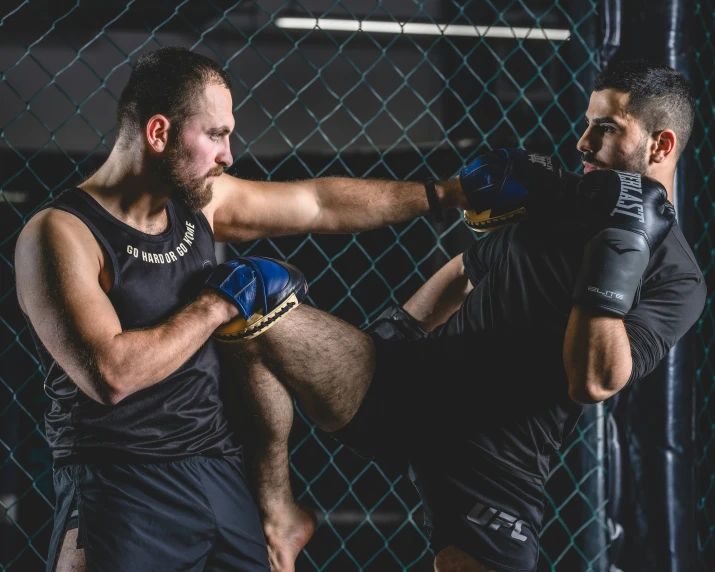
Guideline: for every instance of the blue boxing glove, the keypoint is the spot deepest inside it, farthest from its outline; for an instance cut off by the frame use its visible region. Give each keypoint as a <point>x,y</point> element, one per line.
<point>508,185</point>
<point>263,289</point>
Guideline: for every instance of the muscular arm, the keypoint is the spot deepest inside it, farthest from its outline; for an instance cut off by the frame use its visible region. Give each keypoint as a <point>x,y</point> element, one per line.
<point>58,265</point>
<point>597,356</point>
<point>247,210</point>
<point>440,296</point>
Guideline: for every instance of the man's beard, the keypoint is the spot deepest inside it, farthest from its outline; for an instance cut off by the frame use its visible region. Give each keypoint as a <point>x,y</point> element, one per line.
<point>635,162</point>
<point>194,192</point>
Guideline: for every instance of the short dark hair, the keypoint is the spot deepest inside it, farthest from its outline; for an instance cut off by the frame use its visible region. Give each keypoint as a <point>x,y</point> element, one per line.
<point>661,97</point>
<point>168,81</point>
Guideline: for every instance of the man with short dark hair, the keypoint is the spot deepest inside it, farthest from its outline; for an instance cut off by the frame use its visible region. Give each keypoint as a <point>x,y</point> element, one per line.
<point>531,323</point>
<point>656,96</point>
<point>148,475</point>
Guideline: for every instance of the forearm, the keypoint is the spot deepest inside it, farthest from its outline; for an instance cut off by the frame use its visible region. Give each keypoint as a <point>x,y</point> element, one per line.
<point>440,296</point>
<point>596,354</point>
<point>136,359</point>
<point>355,205</point>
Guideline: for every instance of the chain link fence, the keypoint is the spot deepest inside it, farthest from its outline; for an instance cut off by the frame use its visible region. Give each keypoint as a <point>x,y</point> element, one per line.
<point>397,102</point>
<point>704,248</point>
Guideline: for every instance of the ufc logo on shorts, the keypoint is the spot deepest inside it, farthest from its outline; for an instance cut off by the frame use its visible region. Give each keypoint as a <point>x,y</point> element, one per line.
<point>487,516</point>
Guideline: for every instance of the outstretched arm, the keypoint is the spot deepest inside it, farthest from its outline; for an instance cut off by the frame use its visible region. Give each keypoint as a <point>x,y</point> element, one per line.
<point>247,210</point>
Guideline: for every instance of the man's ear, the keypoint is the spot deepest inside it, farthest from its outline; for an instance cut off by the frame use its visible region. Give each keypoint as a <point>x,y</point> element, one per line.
<point>157,132</point>
<point>663,145</point>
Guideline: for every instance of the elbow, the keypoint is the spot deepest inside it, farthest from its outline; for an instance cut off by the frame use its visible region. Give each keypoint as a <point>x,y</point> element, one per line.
<point>595,388</point>
<point>590,385</point>
<point>109,386</point>
<point>589,392</point>
<point>113,396</point>
<point>114,391</point>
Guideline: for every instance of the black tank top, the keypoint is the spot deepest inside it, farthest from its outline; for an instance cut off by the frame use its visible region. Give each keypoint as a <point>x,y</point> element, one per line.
<point>154,277</point>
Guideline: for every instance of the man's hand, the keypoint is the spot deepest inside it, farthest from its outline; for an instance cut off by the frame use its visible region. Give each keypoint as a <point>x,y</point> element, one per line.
<point>508,185</point>
<point>394,323</point>
<point>629,216</point>
<point>219,304</point>
<point>262,291</point>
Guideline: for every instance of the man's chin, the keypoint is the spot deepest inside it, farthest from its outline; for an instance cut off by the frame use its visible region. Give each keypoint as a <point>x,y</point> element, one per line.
<point>197,200</point>
<point>205,199</point>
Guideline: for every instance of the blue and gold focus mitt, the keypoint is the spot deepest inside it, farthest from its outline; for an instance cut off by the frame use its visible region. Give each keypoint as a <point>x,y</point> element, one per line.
<point>508,185</point>
<point>263,289</point>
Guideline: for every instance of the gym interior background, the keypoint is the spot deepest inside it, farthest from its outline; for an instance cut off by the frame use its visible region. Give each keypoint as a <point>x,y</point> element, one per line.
<point>418,90</point>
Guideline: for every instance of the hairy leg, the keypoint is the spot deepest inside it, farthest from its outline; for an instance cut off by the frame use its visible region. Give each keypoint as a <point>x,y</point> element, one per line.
<point>453,559</point>
<point>328,365</point>
<point>264,418</point>
<point>70,559</point>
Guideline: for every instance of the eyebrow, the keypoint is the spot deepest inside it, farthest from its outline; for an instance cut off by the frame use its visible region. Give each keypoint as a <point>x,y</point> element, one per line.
<point>221,130</point>
<point>602,120</point>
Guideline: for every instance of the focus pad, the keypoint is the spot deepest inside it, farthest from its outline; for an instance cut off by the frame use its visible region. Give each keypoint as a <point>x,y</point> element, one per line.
<point>264,290</point>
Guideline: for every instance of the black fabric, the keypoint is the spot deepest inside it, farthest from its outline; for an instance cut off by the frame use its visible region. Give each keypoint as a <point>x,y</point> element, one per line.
<point>193,514</point>
<point>523,279</point>
<point>486,510</point>
<point>422,415</point>
<point>529,274</point>
<point>476,409</point>
<point>440,388</point>
<point>154,276</point>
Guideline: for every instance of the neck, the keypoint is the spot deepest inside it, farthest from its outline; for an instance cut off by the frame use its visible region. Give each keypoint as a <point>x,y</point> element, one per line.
<point>665,176</point>
<point>130,191</point>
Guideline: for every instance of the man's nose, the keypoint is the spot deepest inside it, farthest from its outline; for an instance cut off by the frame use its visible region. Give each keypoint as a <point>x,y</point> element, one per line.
<point>586,143</point>
<point>224,157</point>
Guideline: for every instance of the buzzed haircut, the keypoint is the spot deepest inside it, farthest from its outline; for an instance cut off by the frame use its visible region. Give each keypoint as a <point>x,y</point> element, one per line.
<point>660,97</point>
<point>167,81</point>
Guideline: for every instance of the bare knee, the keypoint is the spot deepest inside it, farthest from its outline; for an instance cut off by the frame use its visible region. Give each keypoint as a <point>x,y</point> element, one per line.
<point>327,421</point>
<point>453,559</point>
<point>71,558</point>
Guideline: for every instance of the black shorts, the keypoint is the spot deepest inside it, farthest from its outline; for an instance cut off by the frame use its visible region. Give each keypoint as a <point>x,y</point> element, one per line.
<point>422,415</point>
<point>193,514</point>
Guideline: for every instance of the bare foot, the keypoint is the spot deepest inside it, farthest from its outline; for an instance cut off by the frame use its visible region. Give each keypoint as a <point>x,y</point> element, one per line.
<point>286,534</point>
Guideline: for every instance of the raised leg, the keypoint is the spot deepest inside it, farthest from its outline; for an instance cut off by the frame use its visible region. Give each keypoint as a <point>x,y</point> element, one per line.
<point>265,414</point>
<point>327,365</point>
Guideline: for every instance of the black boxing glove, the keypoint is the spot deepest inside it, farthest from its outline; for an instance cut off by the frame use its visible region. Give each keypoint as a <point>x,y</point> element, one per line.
<point>394,323</point>
<point>628,216</point>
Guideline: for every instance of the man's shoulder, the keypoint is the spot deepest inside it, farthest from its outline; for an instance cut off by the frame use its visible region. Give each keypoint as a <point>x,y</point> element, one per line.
<point>673,258</point>
<point>48,221</point>
<point>51,231</point>
<point>673,275</point>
